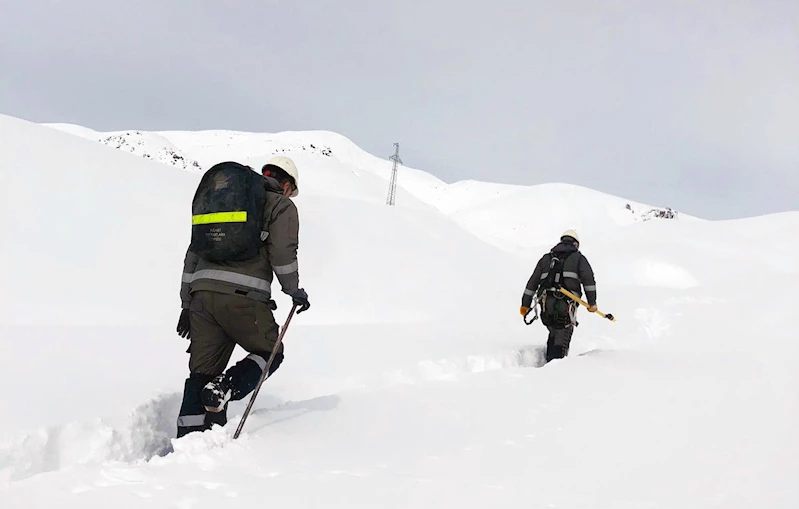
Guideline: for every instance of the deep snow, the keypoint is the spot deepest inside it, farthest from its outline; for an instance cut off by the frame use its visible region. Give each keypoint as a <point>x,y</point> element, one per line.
<point>412,381</point>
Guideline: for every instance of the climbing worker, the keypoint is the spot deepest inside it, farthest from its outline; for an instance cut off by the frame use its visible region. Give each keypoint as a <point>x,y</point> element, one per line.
<point>564,266</point>
<point>245,227</point>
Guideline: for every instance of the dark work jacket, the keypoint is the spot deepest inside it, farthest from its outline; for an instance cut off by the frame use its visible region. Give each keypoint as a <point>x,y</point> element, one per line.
<point>577,272</point>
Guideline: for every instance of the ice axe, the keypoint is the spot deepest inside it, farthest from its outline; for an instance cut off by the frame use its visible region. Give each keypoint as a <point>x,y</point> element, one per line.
<point>572,296</point>
<point>265,372</point>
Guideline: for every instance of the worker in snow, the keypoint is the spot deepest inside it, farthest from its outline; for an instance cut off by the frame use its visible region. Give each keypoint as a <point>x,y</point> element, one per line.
<point>563,266</point>
<point>229,303</point>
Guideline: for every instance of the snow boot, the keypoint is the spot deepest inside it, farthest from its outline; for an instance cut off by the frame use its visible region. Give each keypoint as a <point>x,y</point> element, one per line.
<point>238,381</point>
<point>216,394</point>
<point>558,343</point>
<point>192,416</point>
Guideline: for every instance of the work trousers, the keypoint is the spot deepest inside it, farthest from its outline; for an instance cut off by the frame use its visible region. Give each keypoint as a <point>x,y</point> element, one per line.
<point>219,322</point>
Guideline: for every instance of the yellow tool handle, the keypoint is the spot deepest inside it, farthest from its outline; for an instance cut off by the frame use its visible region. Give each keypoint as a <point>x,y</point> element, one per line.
<point>569,294</point>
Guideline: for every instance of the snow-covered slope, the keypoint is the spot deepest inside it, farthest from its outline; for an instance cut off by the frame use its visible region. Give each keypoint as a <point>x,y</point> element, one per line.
<point>93,273</point>
<point>410,382</point>
<point>147,145</point>
<point>525,219</point>
<point>151,146</point>
<point>77,130</point>
<point>508,216</point>
<point>315,148</point>
<point>331,164</point>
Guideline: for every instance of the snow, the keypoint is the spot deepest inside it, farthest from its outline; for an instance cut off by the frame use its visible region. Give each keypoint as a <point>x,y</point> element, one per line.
<point>145,144</point>
<point>77,130</point>
<point>411,381</point>
<point>151,146</point>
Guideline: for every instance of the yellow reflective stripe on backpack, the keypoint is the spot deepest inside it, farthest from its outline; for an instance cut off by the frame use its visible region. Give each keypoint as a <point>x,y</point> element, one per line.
<point>220,217</point>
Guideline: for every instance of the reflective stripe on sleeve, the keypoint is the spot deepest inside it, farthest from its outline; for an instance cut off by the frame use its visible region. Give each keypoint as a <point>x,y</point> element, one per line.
<point>285,269</point>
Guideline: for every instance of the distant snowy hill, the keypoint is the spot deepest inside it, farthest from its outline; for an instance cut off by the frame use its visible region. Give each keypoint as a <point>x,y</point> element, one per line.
<point>144,144</point>
<point>501,214</point>
<point>412,381</point>
<point>151,146</point>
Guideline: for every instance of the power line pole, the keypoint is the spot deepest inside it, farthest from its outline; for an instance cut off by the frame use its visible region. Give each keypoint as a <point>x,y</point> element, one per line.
<point>392,186</point>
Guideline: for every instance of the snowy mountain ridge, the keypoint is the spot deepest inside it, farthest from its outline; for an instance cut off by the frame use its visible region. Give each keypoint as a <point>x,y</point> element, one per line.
<point>144,144</point>
<point>211,146</point>
<point>139,143</point>
<point>472,204</point>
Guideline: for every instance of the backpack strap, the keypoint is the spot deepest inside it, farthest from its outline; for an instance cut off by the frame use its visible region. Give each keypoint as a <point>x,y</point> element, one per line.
<point>555,277</point>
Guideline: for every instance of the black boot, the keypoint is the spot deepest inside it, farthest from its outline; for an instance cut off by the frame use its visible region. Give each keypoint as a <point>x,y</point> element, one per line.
<point>216,394</point>
<point>218,418</point>
<point>237,382</point>
<point>192,414</point>
<point>558,343</point>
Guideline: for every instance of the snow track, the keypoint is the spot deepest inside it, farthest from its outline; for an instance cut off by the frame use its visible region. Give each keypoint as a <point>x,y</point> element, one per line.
<point>147,430</point>
<point>456,367</point>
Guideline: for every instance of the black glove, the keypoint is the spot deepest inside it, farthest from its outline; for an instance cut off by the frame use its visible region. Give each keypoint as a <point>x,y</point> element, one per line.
<point>184,325</point>
<point>300,298</point>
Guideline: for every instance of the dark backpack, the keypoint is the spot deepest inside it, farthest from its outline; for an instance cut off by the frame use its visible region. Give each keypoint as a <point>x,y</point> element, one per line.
<point>227,213</point>
<point>554,278</point>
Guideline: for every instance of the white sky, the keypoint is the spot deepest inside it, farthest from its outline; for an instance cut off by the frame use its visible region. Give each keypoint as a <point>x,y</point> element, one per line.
<point>693,105</point>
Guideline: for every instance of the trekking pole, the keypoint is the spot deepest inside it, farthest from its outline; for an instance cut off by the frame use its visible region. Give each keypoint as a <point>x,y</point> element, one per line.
<point>265,373</point>
<point>569,294</point>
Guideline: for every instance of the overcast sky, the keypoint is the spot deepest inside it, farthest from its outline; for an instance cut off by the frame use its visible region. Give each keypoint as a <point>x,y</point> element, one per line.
<point>688,104</point>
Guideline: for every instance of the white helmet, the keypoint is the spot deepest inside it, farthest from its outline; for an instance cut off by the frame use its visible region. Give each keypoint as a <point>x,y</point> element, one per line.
<point>572,234</point>
<point>287,165</point>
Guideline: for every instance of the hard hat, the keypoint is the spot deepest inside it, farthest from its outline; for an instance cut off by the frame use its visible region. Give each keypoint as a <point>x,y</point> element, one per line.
<point>287,165</point>
<point>572,234</point>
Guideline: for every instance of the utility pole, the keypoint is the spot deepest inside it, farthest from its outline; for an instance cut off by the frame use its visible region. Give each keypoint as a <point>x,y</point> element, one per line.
<point>392,186</point>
